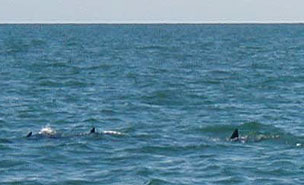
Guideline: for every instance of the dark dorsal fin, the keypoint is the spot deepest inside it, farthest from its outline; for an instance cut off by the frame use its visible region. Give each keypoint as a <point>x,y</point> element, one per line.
<point>235,134</point>
<point>92,130</point>
<point>29,134</point>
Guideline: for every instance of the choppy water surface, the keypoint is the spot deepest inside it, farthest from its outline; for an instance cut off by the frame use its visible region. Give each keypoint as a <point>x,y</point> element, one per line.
<point>176,92</point>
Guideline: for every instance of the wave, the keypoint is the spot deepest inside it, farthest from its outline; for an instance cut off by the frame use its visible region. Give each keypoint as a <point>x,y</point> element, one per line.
<point>254,131</point>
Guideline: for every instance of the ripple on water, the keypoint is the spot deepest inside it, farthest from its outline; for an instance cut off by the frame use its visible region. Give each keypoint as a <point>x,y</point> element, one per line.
<point>175,97</point>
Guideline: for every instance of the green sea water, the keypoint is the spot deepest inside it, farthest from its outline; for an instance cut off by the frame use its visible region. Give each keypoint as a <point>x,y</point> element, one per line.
<point>174,92</point>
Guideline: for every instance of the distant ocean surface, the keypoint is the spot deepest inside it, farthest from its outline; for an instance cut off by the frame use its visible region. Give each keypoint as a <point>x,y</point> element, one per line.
<point>174,92</point>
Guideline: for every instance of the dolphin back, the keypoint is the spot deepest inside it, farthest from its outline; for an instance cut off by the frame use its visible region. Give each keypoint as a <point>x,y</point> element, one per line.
<point>235,134</point>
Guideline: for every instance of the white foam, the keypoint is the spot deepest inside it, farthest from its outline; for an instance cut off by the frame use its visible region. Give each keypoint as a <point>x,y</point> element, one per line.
<point>112,132</point>
<point>47,131</point>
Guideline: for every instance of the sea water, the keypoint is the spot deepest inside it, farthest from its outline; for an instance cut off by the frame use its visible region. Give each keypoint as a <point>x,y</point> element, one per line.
<point>174,92</point>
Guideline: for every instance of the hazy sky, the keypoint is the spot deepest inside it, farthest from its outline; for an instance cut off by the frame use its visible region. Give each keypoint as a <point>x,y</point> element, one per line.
<point>151,11</point>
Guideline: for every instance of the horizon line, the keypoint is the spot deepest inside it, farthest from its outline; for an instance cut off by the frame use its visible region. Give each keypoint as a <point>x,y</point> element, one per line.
<point>152,22</point>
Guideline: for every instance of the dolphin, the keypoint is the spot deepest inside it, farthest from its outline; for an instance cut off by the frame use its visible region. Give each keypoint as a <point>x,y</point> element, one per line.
<point>29,134</point>
<point>235,135</point>
<point>92,130</point>
<point>51,133</point>
<point>255,138</point>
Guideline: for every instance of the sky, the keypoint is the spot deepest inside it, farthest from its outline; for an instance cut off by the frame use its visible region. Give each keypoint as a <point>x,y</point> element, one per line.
<point>151,11</point>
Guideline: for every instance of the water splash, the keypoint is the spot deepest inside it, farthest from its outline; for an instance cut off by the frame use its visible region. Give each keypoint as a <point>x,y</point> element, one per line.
<point>110,132</point>
<point>254,132</point>
<point>47,130</point>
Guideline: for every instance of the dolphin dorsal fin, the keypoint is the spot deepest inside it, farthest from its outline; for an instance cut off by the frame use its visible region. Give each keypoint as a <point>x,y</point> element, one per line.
<point>235,134</point>
<point>29,134</point>
<point>92,130</point>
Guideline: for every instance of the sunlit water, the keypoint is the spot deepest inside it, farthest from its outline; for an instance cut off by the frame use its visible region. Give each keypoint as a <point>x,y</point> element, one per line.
<point>164,100</point>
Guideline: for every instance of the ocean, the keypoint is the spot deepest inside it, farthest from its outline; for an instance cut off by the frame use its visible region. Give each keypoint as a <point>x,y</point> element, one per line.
<point>174,93</point>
